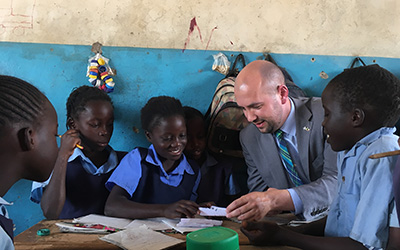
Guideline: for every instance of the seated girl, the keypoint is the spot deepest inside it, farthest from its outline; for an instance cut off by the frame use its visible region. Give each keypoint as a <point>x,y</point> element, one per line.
<point>77,184</point>
<point>28,148</point>
<point>158,181</point>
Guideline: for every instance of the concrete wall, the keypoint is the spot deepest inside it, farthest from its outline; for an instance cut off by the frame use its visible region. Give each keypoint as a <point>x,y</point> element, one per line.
<point>166,47</point>
<point>341,27</point>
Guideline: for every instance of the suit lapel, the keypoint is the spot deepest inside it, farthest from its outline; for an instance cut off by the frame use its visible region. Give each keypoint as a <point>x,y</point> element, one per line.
<point>304,126</point>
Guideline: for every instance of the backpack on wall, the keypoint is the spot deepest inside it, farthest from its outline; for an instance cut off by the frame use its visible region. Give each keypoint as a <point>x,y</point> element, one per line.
<point>224,117</point>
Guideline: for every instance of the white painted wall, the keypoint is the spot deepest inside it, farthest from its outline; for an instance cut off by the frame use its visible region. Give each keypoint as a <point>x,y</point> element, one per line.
<point>324,27</point>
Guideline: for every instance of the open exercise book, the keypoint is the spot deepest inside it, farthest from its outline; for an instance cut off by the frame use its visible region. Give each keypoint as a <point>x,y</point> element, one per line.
<point>137,234</point>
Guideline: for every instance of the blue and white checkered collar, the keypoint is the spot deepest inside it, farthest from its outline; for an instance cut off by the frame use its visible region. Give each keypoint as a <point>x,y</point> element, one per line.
<point>88,165</point>
<point>152,157</point>
<point>368,139</point>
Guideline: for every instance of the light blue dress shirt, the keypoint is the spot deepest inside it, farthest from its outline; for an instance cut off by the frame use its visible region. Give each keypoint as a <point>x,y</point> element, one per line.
<point>128,173</point>
<point>87,164</point>
<point>364,206</point>
<point>5,240</point>
<point>289,127</point>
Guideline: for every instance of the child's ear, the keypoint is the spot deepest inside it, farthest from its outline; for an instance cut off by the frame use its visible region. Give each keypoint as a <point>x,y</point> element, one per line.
<point>25,139</point>
<point>148,136</point>
<point>71,123</point>
<point>358,117</point>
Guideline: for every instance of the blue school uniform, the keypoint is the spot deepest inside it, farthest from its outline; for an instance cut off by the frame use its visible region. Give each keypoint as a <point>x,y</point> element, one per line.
<point>396,185</point>
<point>85,185</point>
<point>6,227</point>
<point>217,182</point>
<point>142,175</point>
<point>364,206</point>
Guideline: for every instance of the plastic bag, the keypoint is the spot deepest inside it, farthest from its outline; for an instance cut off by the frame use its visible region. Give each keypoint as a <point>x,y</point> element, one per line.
<point>221,64</point>
<point>99,73</point>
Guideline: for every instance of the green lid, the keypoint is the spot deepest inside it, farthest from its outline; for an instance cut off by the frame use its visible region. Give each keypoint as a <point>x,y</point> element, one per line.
<point>212,238</point>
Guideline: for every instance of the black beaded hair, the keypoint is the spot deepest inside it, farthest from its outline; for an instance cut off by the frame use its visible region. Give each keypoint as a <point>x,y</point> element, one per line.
<point>371,88</point>
<point>79,98</point>
<point>191,113</point>
<point>20,101</point>
<point>158,108</point>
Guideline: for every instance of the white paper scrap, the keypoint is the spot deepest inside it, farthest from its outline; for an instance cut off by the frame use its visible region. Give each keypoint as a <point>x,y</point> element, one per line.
<point>212,211</point>
<point>191,222</point>
<point>173,224</point>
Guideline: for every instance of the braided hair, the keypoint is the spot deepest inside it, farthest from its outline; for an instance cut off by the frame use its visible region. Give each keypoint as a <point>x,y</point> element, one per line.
<point>79,98</point>
<point>20,101</point>
<point>158,108</point>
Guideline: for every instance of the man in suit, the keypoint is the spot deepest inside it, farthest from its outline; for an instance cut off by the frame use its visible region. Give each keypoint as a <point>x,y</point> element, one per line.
<point>290,165</point>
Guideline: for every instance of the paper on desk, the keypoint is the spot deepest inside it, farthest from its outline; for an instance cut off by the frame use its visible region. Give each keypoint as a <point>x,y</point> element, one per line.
<point>141,238</point>
<point>103,220</point>
<point>190,225</point>
<point>155,224</point>
<point>193,222</point>
<point>213,211</point>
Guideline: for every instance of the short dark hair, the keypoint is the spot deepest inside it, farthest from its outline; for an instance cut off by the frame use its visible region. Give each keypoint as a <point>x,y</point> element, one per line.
<point>158,108</point>
<point>20,101</point>
<point>79,98</point>
<point>371,88</point>
<point>191,113</point>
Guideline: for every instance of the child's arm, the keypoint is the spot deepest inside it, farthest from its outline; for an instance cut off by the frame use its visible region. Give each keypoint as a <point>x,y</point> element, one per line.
<point>268,233</point>
<point>394,239</point>
<point>53,198</point>
<point>119,205</point>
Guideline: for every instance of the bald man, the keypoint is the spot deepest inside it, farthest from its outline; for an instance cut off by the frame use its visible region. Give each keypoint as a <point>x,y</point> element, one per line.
<point>304,184</point>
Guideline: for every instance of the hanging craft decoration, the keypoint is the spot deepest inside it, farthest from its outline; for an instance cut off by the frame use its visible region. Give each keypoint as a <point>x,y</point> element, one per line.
<point>99,73</point>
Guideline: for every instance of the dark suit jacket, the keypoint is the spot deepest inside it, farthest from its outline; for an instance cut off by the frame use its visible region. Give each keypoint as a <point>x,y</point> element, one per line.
<point>318,161</point>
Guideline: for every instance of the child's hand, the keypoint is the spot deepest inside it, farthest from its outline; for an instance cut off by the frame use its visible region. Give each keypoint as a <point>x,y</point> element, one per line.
<point>68,142</point>
<point>182,207</point>
<point>207,204</point>
<point>260,233</point>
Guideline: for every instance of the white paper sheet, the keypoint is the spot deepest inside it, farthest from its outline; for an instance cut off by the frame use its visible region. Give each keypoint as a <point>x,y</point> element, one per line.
<point>141,238</point>
<point>156,224</point>
<point>114,222</point>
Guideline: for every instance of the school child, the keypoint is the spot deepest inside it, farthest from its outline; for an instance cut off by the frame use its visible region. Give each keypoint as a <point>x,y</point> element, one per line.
<point>158,181</point>
<point>217,183</point>
<point>361,107</point>
<point>77,185</point>
<point>28,147</point>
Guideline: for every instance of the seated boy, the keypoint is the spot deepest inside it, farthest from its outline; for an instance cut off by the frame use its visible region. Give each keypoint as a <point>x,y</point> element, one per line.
<point>217,184</point>
<point>361,107</point>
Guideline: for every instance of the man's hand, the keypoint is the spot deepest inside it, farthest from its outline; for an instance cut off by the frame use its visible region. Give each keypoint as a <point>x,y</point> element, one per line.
<point>256,205</point>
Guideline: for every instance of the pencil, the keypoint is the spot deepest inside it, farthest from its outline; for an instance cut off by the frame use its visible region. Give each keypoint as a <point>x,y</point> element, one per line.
<point>77,145</point>
<point>385,154</point>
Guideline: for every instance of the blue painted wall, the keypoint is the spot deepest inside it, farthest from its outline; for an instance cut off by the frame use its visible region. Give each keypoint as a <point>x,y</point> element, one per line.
<point>141,74</point>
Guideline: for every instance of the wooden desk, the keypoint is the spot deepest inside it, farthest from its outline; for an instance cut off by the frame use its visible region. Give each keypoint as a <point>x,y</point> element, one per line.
<point>60,241</point>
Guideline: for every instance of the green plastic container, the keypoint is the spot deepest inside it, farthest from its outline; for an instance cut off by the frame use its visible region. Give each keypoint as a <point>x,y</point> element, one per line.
<point>212,238</point>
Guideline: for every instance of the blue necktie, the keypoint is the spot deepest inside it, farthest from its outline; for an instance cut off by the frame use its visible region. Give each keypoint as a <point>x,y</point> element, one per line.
<point>287,160</point>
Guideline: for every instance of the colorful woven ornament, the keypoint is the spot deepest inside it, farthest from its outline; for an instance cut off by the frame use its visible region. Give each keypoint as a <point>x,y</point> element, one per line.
<point>99,73</point>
